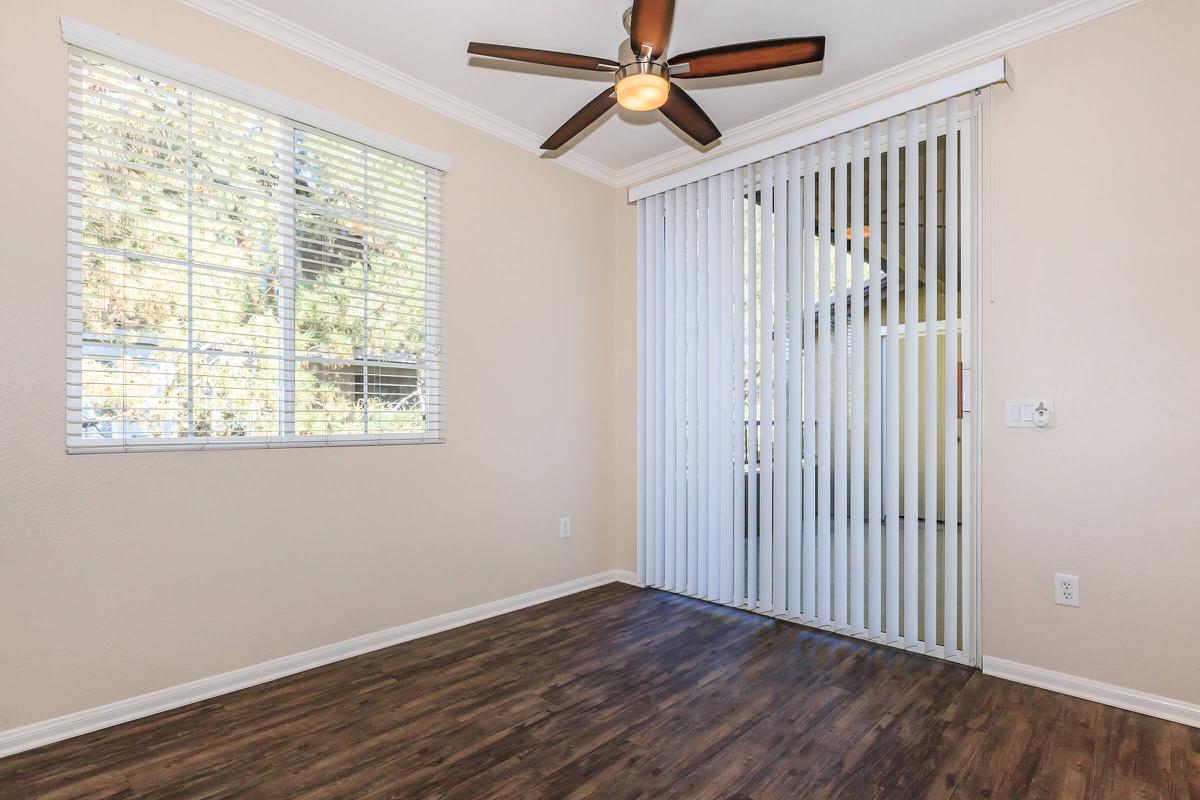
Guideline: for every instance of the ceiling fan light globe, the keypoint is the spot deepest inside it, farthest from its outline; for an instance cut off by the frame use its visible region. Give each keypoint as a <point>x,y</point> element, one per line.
<point>642,91</point>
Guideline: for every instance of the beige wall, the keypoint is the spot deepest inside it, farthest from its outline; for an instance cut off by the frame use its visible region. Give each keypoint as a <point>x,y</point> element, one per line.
<point>624,365</point>
<point>122,574</point>
<point>1089,300</point>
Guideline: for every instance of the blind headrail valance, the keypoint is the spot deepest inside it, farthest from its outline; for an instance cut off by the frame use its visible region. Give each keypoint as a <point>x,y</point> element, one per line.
<point>961,82</point>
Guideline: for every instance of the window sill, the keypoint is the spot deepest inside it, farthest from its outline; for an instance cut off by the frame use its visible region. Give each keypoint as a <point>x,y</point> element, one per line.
<point>78,447</point>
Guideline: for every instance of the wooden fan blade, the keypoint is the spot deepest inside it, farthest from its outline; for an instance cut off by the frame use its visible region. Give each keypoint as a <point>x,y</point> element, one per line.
<point>651,25</point>
<point>733,59</point>
<point>681,109</point>
<point>583,117</point>
<point>551,58</point>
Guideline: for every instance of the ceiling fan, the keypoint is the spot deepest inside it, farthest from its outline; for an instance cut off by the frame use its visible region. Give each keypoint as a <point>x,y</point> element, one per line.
<point>644,76</point>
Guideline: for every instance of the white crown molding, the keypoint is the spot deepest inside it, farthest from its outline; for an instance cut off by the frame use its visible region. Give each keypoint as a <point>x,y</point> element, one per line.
<point>931,66</point>
<point>1110,695</point>
<point>320,48</point>
<point>38,734</point>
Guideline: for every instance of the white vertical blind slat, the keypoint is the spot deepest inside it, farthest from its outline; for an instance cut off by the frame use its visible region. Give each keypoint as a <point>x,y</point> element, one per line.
<point>664,480</point>
<point>670,391</point>
<point>808,323</point>
<point>653,413</point>
<point>653,466</point>
<point>739,389</point>
<point>726,387</point>
<point>825,267</point>
<point>678,221</point>
<point>779,557</point>
<point>840,462</point>
<point>912,376</point>
<point>766,322</point>
<point>892,369</point>
<point>703,345</point>
<point>968,233</point>
<point>796,240</point>
<point>643,475</point>
<point>930,375</point>
<point>753,357</point>
<point>874,346</point>
<point>713,418</point>
<point>857,395</point>
<point>652,417</point>
<point>950,569</point>
<point>693,391</point>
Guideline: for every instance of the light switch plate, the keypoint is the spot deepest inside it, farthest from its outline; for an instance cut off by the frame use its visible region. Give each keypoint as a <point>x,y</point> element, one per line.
<point>1037,413</point>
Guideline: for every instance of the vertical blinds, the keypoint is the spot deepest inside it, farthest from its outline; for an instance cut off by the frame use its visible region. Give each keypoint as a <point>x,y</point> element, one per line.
<point>803,324</point>
<point>237,278</point>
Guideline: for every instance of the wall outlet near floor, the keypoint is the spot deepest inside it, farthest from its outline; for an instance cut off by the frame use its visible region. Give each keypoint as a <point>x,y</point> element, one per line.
<point>1066,590</point>
<point>564,527</point>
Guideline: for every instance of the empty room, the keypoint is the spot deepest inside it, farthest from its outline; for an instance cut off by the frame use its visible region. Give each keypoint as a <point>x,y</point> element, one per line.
<point>599,399</point>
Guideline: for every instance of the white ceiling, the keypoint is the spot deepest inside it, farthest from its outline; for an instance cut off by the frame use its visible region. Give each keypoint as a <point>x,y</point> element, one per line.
<point>428,41</point>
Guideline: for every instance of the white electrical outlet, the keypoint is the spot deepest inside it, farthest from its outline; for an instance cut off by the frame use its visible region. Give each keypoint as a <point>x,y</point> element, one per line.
<point>1066,590</point>
<point>564,527</point>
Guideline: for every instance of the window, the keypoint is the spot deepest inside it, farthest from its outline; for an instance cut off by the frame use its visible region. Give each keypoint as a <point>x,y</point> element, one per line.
<point>237,278</point>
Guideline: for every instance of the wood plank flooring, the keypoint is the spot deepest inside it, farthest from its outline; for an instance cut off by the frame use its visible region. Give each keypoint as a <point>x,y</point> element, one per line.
<point>621,693</point>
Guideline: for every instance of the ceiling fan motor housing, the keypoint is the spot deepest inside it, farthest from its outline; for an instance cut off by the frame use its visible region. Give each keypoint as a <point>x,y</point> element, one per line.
<point>642,84</point>
<point>632,64</point>
<point>626,57</point>
<point>640,67</point>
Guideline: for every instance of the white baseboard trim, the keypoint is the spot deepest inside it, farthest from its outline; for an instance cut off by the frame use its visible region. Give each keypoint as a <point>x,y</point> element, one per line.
<point>627,576</point>
<point>37,734</point>
<point>1129,699</point>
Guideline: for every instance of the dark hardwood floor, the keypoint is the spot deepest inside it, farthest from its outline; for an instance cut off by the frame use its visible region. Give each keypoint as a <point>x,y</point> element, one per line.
<point>619,692</point>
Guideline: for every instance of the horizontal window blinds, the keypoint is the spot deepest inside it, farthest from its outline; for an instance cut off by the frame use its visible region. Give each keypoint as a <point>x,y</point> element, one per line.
<point>237,278</point>
<point>803,324</point>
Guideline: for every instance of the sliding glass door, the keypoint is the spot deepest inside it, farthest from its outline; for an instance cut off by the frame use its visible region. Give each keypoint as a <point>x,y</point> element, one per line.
<point>805,341</point>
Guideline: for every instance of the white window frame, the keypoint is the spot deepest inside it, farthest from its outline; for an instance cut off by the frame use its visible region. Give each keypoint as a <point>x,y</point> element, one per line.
<point>119,48</point>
